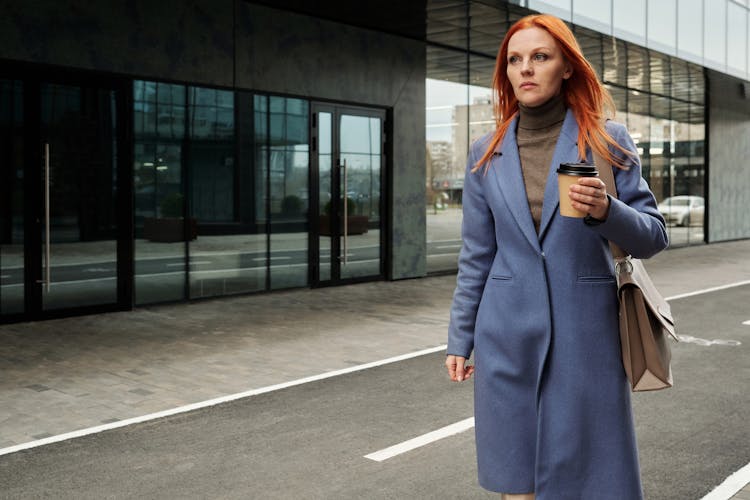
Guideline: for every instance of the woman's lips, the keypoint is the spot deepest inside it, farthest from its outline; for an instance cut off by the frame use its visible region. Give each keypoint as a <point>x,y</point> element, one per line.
<point>528,85</point>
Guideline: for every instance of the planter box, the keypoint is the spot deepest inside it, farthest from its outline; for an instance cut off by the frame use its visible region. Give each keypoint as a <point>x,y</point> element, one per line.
<point>168,229</point>
<point>355,224</point>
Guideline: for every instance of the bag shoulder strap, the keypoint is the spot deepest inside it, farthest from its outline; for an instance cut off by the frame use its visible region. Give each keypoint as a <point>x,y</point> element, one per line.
<point>606,175</point>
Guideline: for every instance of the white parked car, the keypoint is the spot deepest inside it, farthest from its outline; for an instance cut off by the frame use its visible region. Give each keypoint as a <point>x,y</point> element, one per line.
<point>683,210</point>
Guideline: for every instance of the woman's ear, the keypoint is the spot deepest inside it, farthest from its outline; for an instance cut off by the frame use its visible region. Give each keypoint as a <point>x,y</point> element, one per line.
<point>568,72</point>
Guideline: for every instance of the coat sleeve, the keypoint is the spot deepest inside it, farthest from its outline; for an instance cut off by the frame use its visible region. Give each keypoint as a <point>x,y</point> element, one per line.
<point>474,260</point>
<point>634,222</point>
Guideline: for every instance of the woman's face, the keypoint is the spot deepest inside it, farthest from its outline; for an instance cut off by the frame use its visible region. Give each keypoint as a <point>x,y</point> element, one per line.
<point>536,66</point>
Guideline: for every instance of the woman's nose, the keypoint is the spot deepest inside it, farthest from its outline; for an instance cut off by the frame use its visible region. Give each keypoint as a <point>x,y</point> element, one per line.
<point>526,68</point>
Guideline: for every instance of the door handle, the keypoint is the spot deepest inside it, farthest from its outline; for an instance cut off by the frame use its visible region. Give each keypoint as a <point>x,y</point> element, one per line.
<point>346,213</point>
<point>47,268</point>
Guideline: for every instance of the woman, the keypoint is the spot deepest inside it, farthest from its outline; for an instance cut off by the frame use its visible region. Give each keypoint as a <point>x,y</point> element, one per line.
<point>536,294</point>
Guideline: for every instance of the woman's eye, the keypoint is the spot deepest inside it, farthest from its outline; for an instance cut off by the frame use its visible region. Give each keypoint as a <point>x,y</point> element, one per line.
<point>513,59</point>
<point>540,57</point>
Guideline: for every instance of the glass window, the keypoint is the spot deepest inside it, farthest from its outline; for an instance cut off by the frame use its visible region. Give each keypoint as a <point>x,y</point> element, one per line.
<point>212,162</point>
<point>620,97</point>
<point>662,25</point>
<point>630,19</point>
<point>447,99</point>
<point>697,172</point>
<point>11,197</point>
<point>592,45</point>
<point>737,38</point>
<point>446,23</point>
<point>615,61</point>
<point>159,112</point>
<point>660,73</point>
<point>360,147</point>
<point>228,253</point>
<point>690,29</point>
<point>638,68</point>
<point>488,23</point>
<point>288,157</point>
<point>593,14</point>
<point>714,41</point>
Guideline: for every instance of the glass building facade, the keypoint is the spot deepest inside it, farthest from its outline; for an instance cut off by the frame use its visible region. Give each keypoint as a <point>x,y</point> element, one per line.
<point>279,144</point>
<point>659,96</point>
<point>243,160</point>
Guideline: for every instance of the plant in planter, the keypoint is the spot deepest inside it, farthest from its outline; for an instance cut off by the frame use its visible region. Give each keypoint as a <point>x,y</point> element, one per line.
<point>292,206</point>
<point>355,224</point>
<point>169,226</point>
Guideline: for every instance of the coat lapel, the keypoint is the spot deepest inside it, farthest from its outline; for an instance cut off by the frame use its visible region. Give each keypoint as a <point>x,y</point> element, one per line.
<point>566,151</point>
<point>507,171</point>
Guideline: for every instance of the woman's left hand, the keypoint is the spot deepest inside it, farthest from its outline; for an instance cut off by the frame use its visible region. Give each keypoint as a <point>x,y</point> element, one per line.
<point>590,196</point>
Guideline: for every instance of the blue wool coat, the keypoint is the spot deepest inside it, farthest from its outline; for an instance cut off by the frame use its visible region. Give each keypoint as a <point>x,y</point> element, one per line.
<point>551,399</point>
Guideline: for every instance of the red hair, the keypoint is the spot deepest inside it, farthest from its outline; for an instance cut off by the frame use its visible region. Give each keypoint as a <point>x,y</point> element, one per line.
<point>583,93</point>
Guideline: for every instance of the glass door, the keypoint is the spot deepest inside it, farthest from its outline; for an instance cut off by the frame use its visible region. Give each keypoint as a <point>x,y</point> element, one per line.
<point>78,174</point>
<point>61,227</point>
<point>12,264</point>
<point>348,167</point>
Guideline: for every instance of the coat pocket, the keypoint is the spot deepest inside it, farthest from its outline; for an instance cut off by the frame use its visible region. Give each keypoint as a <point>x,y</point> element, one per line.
<point>597,279</point>
<point>498,278</point>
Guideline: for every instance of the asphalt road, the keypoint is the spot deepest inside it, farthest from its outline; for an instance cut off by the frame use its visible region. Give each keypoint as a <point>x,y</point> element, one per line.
<point>309,441</point>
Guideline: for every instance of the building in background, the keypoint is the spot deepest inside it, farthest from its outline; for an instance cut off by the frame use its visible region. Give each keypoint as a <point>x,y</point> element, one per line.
<point>168,151</point>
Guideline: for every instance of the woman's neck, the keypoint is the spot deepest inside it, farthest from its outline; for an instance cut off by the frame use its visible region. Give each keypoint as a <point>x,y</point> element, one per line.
<point>542,116</point>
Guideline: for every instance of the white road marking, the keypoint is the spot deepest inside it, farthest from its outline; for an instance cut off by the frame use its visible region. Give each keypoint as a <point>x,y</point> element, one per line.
<point>424,439</point>
<point>449,246</point>
<point>444,241</point>
<point>731,485</point>
<point>708,290</point>
<point>746,322</point>
<point>706,343</point>
<point>214,402</point>
<point>192,263</point>
<point>272,258</point>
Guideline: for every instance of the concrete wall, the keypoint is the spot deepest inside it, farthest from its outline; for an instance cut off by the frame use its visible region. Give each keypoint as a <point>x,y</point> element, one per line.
<point>728,159</point>
<point>232,43</point>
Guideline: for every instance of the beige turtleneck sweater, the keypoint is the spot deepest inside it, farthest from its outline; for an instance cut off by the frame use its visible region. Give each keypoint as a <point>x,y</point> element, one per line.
<point>536,136</point>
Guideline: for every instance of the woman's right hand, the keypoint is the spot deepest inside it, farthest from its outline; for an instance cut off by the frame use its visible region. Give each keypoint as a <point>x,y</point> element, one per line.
<point>457,369</point>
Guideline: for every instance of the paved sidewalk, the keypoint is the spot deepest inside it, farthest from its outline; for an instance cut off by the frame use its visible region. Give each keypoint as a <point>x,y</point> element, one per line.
<point>68,374</point>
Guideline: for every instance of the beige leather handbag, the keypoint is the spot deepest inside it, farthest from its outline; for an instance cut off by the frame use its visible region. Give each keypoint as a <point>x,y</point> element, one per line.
<point>645,317</point>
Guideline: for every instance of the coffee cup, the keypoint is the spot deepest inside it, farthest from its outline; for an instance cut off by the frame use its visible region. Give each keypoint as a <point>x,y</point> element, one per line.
<point>567,174</point>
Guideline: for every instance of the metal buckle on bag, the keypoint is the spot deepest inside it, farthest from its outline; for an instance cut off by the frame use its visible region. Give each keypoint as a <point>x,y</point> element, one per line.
<point>623,266</point>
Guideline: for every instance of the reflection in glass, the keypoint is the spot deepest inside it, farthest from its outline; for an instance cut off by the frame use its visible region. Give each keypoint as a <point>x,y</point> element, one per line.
<point>78,123</point>
<point>159,113</point>
<point>11,197</point>
<point>287,152</point>
<point>447,142</point>
<point>359,143</point>
<point>325,155</point>
<point>228,254</point>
